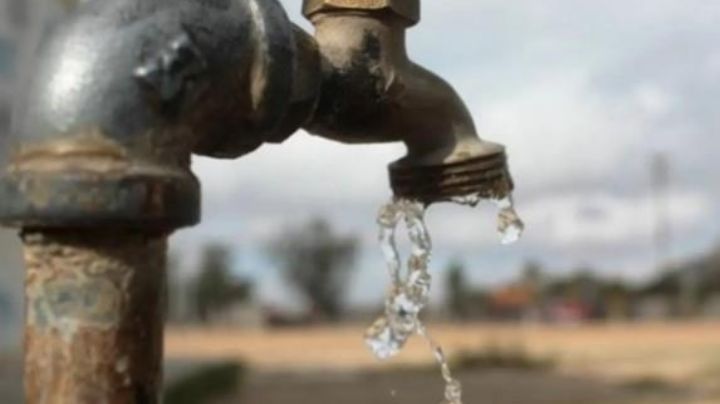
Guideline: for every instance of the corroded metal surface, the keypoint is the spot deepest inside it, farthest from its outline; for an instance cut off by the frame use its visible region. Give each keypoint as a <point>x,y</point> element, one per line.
<point>124,91</point>
<point>94,317</point>
<point>407,9</point>
<point>106,132</point>
<point>486,177</point>
<point>372,92</point>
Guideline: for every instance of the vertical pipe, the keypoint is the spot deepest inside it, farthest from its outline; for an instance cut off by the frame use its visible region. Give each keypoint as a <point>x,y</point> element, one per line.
<point>94,316</point>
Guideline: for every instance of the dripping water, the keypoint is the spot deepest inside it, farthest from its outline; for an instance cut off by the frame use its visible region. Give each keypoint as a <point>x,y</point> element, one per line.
<point>410,291</point>
<point>509,225</point>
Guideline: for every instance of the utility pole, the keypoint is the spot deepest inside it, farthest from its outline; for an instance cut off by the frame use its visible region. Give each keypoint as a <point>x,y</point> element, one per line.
<point>660,177</point>
<point>661,184</point>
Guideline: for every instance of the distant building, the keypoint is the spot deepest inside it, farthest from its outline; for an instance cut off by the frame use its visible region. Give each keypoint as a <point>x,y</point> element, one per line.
<point>568,311</point>
<point>514,302</point>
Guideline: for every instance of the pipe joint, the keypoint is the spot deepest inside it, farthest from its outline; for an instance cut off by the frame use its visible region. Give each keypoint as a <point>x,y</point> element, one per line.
<point>124,92</point>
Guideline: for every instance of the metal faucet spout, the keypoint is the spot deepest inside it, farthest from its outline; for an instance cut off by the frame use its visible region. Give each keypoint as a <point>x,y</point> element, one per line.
<point>373,92</point>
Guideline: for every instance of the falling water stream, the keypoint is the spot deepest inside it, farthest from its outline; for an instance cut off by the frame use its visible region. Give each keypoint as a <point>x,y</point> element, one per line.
<point>410,290</point>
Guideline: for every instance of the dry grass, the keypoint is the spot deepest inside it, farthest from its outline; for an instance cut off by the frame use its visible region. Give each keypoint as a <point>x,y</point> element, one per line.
<point>675,352</point>
<point>610,364</point>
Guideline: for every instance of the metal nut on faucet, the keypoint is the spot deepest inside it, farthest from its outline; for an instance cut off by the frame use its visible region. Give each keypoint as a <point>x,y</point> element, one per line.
<point>407,9</point>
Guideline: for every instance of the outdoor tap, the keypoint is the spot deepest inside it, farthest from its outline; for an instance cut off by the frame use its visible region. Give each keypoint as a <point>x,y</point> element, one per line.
<point>121,94</point>
<point>124,91</point>
<point>372,92</point>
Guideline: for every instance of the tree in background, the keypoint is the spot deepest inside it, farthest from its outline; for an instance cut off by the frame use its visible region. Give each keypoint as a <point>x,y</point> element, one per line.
<point>318,263</point>
<point>457,291</point>
<point>215,287</point>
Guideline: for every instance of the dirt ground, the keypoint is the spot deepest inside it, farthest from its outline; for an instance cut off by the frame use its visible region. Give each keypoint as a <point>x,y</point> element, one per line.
<point>620,363</point>
<point>673,351</point>
<point>603,364</point>
<point>480,387</point>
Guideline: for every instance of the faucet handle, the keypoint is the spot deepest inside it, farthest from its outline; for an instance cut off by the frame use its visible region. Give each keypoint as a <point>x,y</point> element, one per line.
<point>406,9</point>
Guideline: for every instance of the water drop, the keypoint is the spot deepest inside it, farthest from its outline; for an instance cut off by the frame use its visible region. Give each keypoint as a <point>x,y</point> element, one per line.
<point>383,340</point>
<point>408,295</point>
<point>510,226</point>
<point>453,393</point>
<point>453,388</point>
<point>468,200</point>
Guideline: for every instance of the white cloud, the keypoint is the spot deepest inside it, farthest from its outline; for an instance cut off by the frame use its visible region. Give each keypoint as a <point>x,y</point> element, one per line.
<point>653,101</point>
<point>603,219</point>
<point>305,168</point>
<point>557,130</point>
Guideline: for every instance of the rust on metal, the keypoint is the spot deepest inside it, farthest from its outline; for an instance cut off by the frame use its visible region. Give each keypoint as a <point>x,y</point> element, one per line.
<point>94,317</point>
<point>373,92</point>
<point>407,9</point>
<point>104,146</point>
<point>85,151</point>
<point>486,177</point>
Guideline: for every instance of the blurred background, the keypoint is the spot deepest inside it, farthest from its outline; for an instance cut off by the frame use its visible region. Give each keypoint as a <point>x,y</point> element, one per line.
<point>613,295</point>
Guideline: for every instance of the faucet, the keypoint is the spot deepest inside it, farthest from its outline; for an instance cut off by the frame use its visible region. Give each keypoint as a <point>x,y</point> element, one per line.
<point>124,92</point>
<point>372,92</point>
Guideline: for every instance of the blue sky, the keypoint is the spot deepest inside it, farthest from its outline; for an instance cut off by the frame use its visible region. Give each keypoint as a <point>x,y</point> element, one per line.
<point>582,93</point>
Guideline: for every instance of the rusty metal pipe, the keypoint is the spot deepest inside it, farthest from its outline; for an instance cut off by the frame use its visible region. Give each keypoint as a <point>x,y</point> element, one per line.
<point>125,91</point>
<point>94,315</point>
<point>98,177</point>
